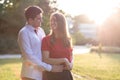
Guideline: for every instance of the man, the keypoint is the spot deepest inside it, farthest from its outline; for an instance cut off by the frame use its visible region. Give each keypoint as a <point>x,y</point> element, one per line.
<point>29,40</point>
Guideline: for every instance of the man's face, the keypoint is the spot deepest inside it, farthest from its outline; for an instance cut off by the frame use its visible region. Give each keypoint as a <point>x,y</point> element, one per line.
<point>37,21</point>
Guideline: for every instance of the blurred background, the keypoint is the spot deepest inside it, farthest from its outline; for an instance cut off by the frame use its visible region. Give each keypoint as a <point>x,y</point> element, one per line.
<point>94,26</point>
<point>91,22</point>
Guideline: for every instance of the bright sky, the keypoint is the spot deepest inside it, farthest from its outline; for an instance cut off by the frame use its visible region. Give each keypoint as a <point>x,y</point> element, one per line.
<point>97,10</point>
<point>1,1</point>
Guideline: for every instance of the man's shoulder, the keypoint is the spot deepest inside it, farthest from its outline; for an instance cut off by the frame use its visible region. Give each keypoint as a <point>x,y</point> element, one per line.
<point>23,30</point>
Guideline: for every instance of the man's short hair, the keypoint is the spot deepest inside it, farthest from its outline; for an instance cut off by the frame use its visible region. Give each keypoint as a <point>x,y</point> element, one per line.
<point>32,12</point>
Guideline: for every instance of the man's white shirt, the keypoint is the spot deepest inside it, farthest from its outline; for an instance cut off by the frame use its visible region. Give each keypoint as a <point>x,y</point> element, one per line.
<point>30,45</point>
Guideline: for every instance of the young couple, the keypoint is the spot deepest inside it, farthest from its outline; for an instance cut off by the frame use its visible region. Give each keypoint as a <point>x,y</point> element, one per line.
<point>45,57</point>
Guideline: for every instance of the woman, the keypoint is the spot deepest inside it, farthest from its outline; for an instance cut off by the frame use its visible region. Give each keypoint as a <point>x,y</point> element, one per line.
<point>57,48</point>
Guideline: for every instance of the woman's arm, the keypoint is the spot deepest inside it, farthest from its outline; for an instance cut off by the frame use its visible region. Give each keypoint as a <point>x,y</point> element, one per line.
<point>70,65</point>
<point>53,61</point>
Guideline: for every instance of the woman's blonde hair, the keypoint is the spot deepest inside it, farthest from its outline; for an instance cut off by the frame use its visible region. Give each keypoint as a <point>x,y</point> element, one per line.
<point>62,29</point>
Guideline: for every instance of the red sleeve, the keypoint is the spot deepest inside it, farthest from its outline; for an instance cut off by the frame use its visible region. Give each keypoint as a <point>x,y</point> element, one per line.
<point>71,56</point>
<point>45,44</point>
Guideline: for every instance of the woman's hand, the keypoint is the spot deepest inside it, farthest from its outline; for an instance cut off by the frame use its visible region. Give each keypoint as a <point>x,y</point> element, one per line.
<point>57,68</point>
<point>68,65</point>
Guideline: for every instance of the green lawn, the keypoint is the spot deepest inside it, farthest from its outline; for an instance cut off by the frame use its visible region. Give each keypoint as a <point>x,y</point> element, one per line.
<point>92,67</point>
<point>86,67</point>
<point>10,69</point>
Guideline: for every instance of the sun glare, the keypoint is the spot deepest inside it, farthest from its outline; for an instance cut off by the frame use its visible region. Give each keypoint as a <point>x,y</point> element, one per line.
<point>97,10</point>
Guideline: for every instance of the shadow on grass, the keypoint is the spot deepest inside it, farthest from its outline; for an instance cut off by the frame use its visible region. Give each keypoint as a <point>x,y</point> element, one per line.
<point>112,52</point>
<point>9,61</point>
<point>106,49</point>
<point>114,56</point>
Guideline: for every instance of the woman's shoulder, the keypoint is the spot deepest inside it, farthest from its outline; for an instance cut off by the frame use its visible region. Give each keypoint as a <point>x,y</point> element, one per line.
<point>46,37</point>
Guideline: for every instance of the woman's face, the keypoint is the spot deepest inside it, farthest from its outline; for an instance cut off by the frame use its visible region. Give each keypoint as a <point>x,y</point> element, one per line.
<point>53,23</point>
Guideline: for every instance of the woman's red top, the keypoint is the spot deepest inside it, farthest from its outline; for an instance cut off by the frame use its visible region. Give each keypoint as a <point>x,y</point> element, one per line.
<point>58,50</point>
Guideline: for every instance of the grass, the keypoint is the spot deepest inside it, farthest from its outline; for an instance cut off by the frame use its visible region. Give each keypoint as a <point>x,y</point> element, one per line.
<point>10,69</point>
<point>92,67</point>
<point>86,67</point>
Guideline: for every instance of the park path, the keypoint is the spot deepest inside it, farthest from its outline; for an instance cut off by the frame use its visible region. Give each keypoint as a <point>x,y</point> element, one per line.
<point>76,50</point>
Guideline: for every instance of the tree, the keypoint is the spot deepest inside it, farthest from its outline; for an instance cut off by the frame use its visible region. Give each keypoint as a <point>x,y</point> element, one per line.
<point>78,37</point>
<point>12,19</point>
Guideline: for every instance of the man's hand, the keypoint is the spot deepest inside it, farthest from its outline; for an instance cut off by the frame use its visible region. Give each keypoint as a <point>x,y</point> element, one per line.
<point>57,68</point>
<point>40,68</point>
<point>32,65</point>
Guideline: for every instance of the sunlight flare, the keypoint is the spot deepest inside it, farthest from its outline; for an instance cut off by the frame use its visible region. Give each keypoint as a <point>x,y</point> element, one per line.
<point>97,10</point>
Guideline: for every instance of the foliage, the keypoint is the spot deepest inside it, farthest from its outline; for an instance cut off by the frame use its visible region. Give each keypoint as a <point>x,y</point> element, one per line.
<point>105,49</point>
<point>16,12</point>
<point>12,19</point>
<point>7,45</point>
<point>82,19</point>
<point>78,38</point>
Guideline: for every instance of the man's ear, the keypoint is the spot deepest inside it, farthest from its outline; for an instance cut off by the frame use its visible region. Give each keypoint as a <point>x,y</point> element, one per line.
<point>30,20</point>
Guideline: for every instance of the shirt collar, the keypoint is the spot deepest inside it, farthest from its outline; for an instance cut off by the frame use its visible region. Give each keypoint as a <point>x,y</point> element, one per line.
<point>30,27</point>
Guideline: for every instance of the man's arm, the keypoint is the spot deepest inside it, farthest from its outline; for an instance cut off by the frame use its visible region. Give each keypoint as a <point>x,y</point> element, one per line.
<point>27,53</point>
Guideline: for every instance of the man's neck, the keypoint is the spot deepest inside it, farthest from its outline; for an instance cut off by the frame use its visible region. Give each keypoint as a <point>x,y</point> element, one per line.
<point>32,26</point>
